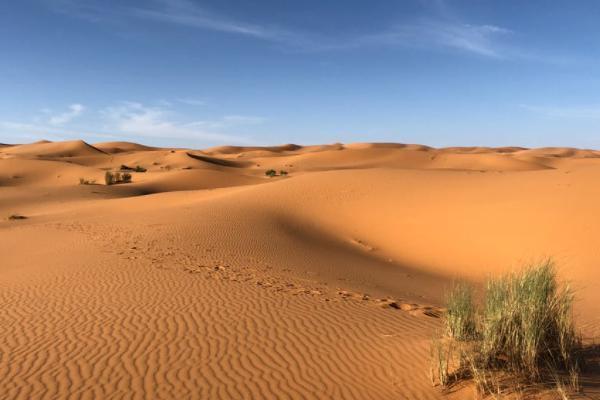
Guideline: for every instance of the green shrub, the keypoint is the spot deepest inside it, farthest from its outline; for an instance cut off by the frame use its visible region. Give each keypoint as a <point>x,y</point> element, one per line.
<point>283,172</point>
<point>139,169</point>
<point>15,217</point>
<point>271,173</point>
<point>126,177</point>
<point>524,330</point>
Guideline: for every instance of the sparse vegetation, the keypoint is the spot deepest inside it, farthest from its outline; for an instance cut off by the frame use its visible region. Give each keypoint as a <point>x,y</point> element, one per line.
<point>15,217</point>
<point>283,172</point>
<point>137,168</point>
<point>271,173</point>
<point>111,178</point>
<point>84,181</point>
<point>521,334</point>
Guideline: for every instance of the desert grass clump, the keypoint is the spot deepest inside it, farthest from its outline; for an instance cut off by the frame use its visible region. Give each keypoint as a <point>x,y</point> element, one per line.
<point>84,181</point>
<point>137,168</point>
<point>527,322</point>
<point>16,217</point>
<point>460,314</point>
<point>111,178</point>
<point>271,173</point>
<point>521,334</point>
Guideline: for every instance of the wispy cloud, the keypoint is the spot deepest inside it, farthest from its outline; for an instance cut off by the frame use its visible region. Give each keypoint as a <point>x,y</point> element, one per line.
<point>574,112</point>
<point>24,131</point>
<point>191,102</point>
<point>183,12</point>
<point>130,120</point>
<point>137,119</point>
<point>438,27</point>
<point>243,119</point>
<point>74,111</point>
<point>477,39</point>
<point>175,12</point>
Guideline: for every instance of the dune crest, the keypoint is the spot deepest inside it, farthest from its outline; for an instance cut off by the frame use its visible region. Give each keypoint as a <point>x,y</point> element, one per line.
<point>44,148</point>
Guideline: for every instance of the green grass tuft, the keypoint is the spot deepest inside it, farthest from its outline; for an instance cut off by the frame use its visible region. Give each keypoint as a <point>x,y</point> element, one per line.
<point>460,315</point>
<point>522,333</point>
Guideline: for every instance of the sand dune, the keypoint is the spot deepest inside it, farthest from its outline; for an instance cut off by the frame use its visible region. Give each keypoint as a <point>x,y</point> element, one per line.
<point>204,278</point>
<point>73,148</point>
<point>122,147</point>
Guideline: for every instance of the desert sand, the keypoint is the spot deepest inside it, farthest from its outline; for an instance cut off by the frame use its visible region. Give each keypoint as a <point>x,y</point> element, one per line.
<point>205,278</point>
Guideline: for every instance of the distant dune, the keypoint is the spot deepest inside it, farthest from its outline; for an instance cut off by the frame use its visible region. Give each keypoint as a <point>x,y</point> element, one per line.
<point>205,278</point>
<point>122,147</point>
<point>75,148</point>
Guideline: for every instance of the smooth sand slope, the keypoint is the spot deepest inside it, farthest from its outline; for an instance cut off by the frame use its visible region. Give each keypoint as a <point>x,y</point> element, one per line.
<point>206,279</point>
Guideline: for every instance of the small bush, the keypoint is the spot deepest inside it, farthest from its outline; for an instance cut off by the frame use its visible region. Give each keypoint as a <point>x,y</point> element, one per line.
<point>283,173</point>
<point>524,331</point>
<point>83,181</point>
<point>112,178</point>
<point>109,178</point>
<point>136,169</point>
<point>15,217</point>
<point>271,173</point>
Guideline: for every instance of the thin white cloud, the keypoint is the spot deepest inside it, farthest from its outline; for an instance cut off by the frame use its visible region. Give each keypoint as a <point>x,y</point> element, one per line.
<point>191,102</point>
<point>478,39</point>
<point>22,131</point>
<point>440,28</point>
<point>574,112</point>
<point>184,12</point>
<point>129,120</point>
<point>243,119</point>
<point>140,120</point>
<point>75,110</point>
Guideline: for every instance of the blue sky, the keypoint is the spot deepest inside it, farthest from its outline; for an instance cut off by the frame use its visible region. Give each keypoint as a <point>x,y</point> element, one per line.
<point>200,73</point>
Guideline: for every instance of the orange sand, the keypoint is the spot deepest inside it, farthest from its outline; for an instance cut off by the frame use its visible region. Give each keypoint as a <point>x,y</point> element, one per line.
<point>206,279</point>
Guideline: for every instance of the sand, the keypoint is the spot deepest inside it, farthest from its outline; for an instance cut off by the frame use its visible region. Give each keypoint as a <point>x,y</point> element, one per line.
<point>204,278</point>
